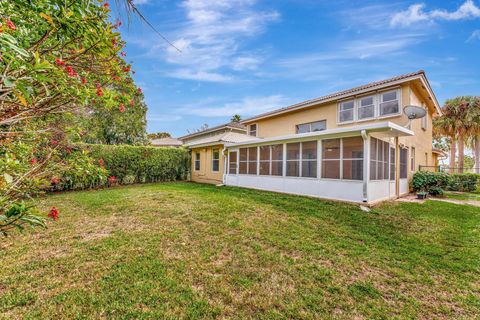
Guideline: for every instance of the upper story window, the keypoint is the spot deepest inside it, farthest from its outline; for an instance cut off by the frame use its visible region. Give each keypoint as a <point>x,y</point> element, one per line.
<point>383,104</point>
<point>345,112</point>
<point>366,108</point>
<point>389,103</point>
<point>311,126</point>
<point>252,130</point>
<point>215,160</point>
<point>197,161</point>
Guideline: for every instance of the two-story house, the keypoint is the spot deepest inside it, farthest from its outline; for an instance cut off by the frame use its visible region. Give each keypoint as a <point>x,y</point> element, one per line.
<point>355,145</point>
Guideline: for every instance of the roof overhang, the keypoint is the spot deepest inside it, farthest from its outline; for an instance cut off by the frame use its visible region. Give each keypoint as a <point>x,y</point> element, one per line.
<point>351,93</point>
<point>384,129</point>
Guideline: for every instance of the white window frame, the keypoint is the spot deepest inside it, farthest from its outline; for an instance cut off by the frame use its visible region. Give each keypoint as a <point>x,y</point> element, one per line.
<point>310,126</point>
<point>380,101</point>
<point>359,106</point>
<point>213,160</point>
<point>199,162</point>
<point>339,110</point>
<point>250,131</point>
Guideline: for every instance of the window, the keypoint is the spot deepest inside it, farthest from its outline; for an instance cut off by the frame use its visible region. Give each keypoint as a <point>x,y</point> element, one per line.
<point>232,169</point>
<point>389,103</point>
<point>366,108</point>
<point>352,158</point>
<point>265,160</point>
<point>379,159</point>
<point>312,126</point>
<point>277,160</point>
<point>412,159</point>
<point>252,130</point>
<point>309,159</point>
<point>197,161</point>
<point>331,159</point>
<point>293,159</point>
<point>392,163</point>
<point>243,167</point>
<point>345,111</point>
<point>403,163</point>
<point>425,119</point>
<point>271,160</point>
<point>215,160</point>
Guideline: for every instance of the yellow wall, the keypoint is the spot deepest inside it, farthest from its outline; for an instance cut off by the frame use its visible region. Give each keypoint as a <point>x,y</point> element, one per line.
<point>411,93</point>
<point>206,174</point>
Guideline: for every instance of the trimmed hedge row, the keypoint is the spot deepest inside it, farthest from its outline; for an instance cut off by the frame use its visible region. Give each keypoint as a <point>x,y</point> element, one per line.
<point>97,165</point>
<point>138,164</point>
<point>435,182</point>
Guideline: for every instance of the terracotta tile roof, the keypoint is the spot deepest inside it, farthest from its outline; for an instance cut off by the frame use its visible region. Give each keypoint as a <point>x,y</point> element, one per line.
<point>166,142</point>
<point>338,94</point>
<point>234,125</point>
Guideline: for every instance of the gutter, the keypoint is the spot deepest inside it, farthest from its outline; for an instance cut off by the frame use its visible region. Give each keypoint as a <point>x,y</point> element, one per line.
<point>366,151</point>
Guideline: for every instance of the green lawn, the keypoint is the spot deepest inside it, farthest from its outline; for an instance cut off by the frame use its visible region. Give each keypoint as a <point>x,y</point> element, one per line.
<point>184,250</point>
<point>463,195</point>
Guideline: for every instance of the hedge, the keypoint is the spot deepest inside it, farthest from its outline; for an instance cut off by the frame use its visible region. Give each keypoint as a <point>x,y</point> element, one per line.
<point>98,165</point>
<point>436,182</point>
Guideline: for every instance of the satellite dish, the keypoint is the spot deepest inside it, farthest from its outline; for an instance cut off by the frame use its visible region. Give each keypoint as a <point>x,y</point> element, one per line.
<point>414,112</point>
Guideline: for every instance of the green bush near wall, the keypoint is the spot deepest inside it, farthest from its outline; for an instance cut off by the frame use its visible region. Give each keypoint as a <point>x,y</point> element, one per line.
<point>97,165</point>
<point>138,164</point>
<point>435,182</point>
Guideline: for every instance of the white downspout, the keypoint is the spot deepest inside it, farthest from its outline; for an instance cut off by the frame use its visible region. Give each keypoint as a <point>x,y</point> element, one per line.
<point>225,163</point>
<point>366,151</point>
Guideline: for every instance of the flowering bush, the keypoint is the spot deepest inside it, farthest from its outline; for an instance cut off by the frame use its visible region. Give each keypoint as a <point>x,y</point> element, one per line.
<point>61,64</point>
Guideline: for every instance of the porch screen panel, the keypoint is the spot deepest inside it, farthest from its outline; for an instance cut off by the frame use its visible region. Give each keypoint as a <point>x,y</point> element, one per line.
<point>392,163</point>
<point>403,163</point>
<point>379,159</point>
<point>353,158</point>
<point>293,159</point>
<point>331,159</point>
<point>232,160</point>
<point>252,160</point>
<point>242,168</point>
<point>277,160</point>
<point>265,160</point>
<point>309,159</point>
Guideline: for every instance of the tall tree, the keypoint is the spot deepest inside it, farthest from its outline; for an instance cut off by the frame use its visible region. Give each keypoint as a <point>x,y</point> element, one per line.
<point>159,135</point>
<point>236,118</point>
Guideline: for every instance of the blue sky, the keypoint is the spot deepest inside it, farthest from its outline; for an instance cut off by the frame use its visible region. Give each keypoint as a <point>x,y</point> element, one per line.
<point>252,56</point>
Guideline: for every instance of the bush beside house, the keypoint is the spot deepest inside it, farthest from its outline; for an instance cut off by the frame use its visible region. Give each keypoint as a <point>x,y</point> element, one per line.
<point>105,165</point>
<point>436,182</point>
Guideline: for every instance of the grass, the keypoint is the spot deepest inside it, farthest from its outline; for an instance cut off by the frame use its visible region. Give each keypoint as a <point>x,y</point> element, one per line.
<point>184,250</point>
<point>463,195</point>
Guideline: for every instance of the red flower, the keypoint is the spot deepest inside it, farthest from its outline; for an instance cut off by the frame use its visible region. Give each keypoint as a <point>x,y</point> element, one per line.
<point>101,163</point>
<point>60,62</point>
<point>54,142</point>
<point>53,213</point>
<point>114,42</point>
<point>112,179</point>
<point>68,150</point>
<point>132,102</point>
<point>70,71</point>
<point>55,180</point>
<point>121,108</point>
<point>127,69</point>
<point>99,92</point>
<point>139,90</point>
<point>123,54</point>
<point>84,80</point>
<point>106,5</point>
<point>11,25</point>
<point>33,161</point>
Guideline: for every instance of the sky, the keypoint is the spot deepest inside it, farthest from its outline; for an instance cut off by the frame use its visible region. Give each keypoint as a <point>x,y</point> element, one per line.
<point>251,56</point>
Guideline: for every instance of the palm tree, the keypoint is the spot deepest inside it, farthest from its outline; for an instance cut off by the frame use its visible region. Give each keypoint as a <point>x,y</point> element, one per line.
<point>445,126</point>
<point>474,133</point>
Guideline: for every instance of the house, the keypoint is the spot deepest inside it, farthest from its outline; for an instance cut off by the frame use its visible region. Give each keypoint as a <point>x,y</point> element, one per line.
<point>355,145</point>
<point>166,142</point>
<point>208,150</point>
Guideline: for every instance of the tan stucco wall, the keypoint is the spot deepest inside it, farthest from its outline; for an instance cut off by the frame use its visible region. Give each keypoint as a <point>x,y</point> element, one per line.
<point>206,174</point>
<point>411,93</point>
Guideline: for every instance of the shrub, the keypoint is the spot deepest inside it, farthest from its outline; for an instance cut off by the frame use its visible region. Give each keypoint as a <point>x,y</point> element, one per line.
<point>466,182</point>
<point>138,164</point>
<point>436,191</point>
<point>424,180</point>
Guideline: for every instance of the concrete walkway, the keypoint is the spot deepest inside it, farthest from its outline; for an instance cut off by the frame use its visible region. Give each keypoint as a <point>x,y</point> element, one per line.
<point>413,198</point>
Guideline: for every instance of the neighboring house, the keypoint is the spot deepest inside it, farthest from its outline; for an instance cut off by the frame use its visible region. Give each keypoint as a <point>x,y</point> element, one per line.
<point>166,142</point>
<point>208,149</point>
<point>354,145</point>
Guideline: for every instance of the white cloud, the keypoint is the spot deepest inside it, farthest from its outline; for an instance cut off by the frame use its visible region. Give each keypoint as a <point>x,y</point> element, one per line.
<point>416,13</point>
<point>163,118</point>
<point>212,37</point>
<point>200,75</point>
<point>247,107</point>
<point>475,36</point>
<point>140,2</point>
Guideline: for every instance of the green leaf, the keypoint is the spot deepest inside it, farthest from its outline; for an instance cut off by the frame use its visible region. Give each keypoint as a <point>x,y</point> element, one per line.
<point>8,178</point>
